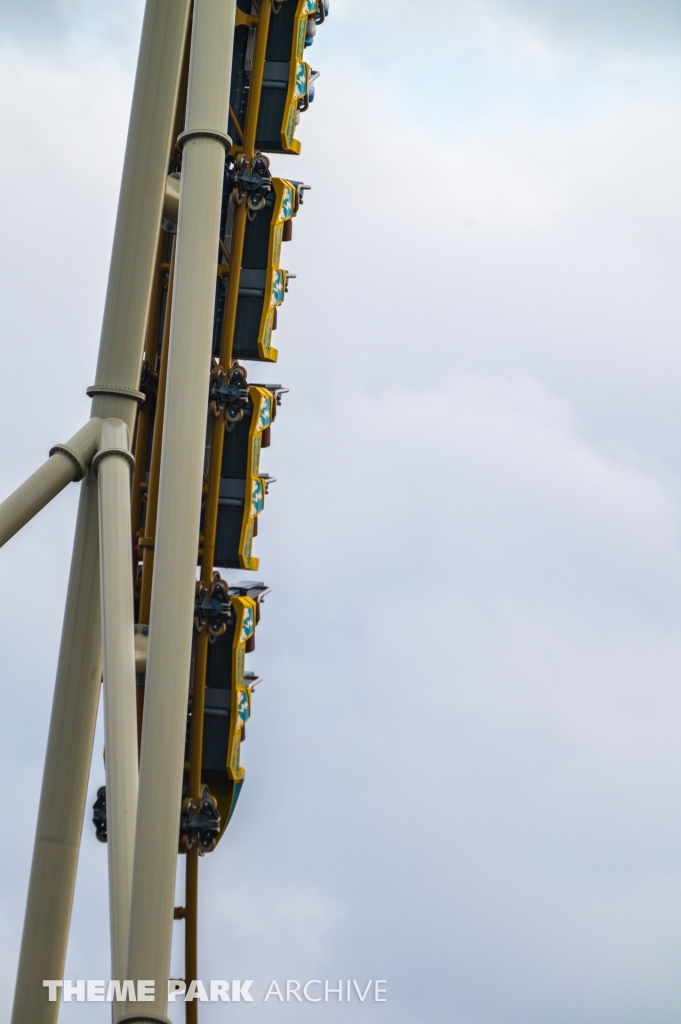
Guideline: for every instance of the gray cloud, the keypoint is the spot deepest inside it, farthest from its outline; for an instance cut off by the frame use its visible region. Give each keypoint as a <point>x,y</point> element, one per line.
<point>35,17</point>
<point>613,22</point>
<point>628,22</point>
<point>49,19</point>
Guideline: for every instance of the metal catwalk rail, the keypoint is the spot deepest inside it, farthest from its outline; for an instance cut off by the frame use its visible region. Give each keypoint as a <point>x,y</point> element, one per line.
<point>171,489</point>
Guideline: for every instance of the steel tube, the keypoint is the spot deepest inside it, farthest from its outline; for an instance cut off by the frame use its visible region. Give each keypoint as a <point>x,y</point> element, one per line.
<point>65,777</point>
<point>177,528</point>
<point>112,465</point>
<point>140,205</point>
<point>67,462</point>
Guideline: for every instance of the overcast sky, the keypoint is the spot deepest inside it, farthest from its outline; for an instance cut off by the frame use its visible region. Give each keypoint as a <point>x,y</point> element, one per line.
<point>464,760</point>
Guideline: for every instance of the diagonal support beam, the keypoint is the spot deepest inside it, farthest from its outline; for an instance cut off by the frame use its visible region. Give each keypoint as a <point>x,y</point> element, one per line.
<point>67,462</point>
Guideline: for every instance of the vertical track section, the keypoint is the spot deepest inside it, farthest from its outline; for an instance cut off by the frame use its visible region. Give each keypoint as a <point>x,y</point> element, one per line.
<point>179,502</point>
<point>217,437</point>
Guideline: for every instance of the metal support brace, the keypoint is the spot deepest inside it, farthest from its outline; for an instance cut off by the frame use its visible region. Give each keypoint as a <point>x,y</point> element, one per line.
<point>113,463</point>
<point>67,462</point>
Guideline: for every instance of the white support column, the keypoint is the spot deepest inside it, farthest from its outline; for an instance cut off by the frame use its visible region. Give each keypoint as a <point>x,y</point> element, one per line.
<point>67,765</point>
<point>113,463</point>
<point>177,529</point>
<point>65,777</point>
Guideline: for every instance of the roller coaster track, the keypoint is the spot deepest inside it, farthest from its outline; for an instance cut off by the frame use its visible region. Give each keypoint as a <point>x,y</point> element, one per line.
<point>171,489</point>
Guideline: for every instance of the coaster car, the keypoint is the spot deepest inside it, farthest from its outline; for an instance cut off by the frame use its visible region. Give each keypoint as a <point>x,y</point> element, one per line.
<point>263,283</point>
<point>242,486</point>
<point>287,84</point>
<point>228,697</point>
